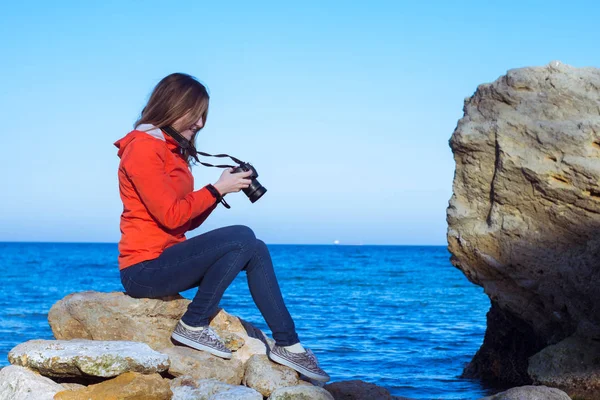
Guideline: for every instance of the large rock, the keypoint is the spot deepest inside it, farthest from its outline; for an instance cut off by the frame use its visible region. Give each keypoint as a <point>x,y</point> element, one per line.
<point>530,393</point>
<point>130,385</point>
<point>20,383</point>
<point>190,388</point>
<point>265,376</point>
<point>524,217</point>
<point>117,316</point>
<point>572,365</point>
<point>301,392</point>
<point>82,357</point>
<point>185,361</point>
<point>357,390</point>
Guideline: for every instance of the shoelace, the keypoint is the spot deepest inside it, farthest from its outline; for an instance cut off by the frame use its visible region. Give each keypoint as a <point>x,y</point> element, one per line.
<point>312,356</point>
<point>212,334</point>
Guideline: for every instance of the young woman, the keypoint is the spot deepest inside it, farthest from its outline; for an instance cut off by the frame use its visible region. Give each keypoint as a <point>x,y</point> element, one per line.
<point>160,205</point>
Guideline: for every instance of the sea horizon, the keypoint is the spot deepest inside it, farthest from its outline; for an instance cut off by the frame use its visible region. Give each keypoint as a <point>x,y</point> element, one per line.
<point>269,244</point>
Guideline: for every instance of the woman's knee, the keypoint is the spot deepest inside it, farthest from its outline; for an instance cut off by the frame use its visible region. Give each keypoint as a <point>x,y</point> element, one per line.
<point>243,234</point>
<point>261,246</point>
<point>262,251</point>
<point>260,258</point>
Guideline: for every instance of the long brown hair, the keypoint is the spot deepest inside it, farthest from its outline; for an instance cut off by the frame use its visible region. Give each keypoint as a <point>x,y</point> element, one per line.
<point>176,96</point>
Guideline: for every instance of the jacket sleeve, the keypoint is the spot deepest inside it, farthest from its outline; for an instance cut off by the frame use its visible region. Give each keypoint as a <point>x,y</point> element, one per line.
<point>143,162</point>
<point>196,222</point>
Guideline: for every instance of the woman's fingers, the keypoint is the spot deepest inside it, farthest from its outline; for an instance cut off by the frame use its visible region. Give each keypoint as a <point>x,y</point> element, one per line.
<point>234,182</point>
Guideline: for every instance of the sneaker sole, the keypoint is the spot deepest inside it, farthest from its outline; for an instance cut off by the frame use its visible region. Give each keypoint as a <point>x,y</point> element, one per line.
<point>198,346</point>
<point>274,357</point>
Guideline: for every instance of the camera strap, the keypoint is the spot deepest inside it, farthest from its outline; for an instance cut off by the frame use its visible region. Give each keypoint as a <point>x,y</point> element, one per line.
<point>187,145</point>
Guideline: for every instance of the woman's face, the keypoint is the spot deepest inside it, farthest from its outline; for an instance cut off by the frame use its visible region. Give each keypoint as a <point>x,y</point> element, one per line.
<point>188,131</point>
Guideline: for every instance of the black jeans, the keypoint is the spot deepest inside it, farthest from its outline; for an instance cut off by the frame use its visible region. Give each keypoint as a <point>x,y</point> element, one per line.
<point>211,261</point>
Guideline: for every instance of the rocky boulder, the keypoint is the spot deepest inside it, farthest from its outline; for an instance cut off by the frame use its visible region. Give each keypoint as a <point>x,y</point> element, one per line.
<point>70,358</point>
<point>524,217</point>
<point>128,386</point>
<point>265,376</point>
<point>190,388</point>
<point>185,361</point>
<point>357,390</point>
<point>530,393</point>
<point>572,365</point>
<point>20,383</point>
<point>301,392</point>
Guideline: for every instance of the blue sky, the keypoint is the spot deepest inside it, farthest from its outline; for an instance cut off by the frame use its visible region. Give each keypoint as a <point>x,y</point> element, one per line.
<point>344,108</point>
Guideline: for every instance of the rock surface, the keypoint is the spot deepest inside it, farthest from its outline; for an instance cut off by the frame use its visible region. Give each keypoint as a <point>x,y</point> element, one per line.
<point>524,217</point>
<point>69,358</point>
<point>530,393</point>
<point>130,385</point>
<point>572,365</point>
<point>190,388</point>
<point>265,376</point>
<point>357,390</point>
<point>20,383</point>
<point>301,393</point>
<point>185,361</point>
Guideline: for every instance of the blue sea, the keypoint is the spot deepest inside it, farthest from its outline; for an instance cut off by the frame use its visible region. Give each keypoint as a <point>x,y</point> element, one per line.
<point>401,317</point>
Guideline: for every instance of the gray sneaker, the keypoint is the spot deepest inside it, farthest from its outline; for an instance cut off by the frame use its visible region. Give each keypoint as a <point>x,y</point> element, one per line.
<point>306,363</point>
<point>205,339</point>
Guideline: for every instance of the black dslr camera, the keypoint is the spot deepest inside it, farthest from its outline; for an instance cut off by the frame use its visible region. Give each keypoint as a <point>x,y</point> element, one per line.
<point>255,190</point>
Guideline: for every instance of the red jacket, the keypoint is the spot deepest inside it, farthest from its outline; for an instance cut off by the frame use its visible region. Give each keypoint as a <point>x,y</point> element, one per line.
<point>159,201</point>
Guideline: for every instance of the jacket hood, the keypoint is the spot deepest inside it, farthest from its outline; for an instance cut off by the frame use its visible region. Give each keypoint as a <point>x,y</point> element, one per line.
<point>122,143</point>
<point>145,130</point>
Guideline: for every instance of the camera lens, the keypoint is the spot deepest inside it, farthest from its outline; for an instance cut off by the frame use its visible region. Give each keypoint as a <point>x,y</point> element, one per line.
<point>255,190</point>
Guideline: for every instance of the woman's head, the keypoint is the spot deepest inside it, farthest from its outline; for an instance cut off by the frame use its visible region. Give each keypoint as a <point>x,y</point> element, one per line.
<point>180,101</point>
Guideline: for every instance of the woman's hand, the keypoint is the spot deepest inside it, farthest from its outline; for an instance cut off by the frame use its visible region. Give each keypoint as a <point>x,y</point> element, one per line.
<point>229,183</point>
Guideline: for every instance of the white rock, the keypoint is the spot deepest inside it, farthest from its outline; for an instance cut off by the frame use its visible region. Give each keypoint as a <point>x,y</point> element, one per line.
<point>302,392</point>
<point>238,393</point>
<point>78,357</point>
<point>20,383</point>
<point>185,361</point>
<point>251,347</point>
<point>190,388</point>
<point>265,376</point>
